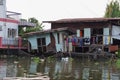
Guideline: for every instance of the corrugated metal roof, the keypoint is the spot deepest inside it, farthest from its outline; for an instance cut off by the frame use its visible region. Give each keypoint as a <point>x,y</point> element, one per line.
<point>26,24</point>
<point>74,20</point>
<point>49,31</point>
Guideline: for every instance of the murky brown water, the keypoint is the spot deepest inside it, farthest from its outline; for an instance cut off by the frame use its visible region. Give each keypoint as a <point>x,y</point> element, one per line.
<point>60,69</point>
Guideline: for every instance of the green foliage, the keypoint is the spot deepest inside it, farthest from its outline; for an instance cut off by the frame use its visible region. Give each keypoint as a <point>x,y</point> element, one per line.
<point>118,63</point>
<point>36,60</point>
<point>118,53</point>
<point>112,10</point>
<point>50,59</point>
<point>20,31</point>
<point>38,27</point>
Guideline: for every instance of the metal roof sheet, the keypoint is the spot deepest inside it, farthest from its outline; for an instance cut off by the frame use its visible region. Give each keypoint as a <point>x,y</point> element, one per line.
<point>49,31</point>
<point>74,20</point>
<point>26,24</point>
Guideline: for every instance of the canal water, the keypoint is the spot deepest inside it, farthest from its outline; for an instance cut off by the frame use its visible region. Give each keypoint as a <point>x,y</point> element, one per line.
<point>60,69</point>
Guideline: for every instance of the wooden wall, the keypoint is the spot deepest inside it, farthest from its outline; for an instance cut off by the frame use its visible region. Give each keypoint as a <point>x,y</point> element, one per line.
<point>80,26</point>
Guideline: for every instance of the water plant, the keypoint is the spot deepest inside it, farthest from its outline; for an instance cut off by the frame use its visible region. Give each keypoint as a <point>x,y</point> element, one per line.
<point>118,63</point>
<point>36,59</point>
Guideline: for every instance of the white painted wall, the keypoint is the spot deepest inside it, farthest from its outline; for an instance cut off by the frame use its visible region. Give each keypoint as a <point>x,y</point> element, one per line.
<point>5,29</point>
<point>59,46</point>
<point>2,8</point>
<point>33,40</point>
<point>4,25</point>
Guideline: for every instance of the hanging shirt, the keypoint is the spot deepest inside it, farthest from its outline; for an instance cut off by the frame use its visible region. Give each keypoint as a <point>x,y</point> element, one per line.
<point>67,41</point>
<point>80,42</point>
<point>73,41</point>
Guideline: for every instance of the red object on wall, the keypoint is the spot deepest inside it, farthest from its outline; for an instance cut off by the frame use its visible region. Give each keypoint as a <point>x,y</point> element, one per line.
<point>81,34</point>
<point>113,48</point>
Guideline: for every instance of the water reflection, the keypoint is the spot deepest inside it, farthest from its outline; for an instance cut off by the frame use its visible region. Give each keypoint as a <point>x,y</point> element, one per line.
<point>33,67</point>
<point>60,69</point>
<point>3,68</point>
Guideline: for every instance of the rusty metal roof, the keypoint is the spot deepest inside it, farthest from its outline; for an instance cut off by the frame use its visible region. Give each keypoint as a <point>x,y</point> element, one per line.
<point>74,20</point>
<point>49,31</point>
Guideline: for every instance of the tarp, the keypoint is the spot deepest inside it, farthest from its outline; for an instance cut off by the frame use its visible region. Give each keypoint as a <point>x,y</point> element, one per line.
<point>116,32</point>
<point>106,37</point>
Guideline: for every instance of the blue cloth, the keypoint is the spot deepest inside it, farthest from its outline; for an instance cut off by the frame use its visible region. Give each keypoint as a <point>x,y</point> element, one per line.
<point>80,42</point>
<point>75,39</point>
<point>69,40</point>
<point>96,39</point>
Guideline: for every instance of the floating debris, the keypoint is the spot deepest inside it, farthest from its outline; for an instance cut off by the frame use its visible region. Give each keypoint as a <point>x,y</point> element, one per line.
<point>37,76</point>
<point>24,78</point>
<point>15,62</point>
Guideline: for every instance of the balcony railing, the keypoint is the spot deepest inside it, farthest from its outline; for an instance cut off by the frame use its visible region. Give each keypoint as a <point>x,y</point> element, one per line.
<point>13,43</point>
<point>10,41</point>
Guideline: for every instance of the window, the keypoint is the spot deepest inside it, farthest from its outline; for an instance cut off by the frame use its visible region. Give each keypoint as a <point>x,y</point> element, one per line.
<point>8,33</point>
<point>43,41</point>
<point>12,33</point>
<point>41,44</point>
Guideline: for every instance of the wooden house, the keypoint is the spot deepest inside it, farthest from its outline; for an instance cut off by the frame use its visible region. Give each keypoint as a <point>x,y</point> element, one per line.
<point>91,33</point>
<point>48,40</point>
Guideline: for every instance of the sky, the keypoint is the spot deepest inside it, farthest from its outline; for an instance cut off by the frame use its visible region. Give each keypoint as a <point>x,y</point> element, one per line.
<point>47,10</point>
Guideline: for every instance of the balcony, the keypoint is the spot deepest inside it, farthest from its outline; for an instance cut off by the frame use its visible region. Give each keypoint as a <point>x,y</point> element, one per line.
<point>13,43</point>
<point>10,41</point>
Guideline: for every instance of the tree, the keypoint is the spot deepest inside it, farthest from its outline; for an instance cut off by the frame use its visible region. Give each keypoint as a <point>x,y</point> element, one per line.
<point>38,26</point>
<point>112,10</point>
<point>20,29</point>
<point>25,29</point>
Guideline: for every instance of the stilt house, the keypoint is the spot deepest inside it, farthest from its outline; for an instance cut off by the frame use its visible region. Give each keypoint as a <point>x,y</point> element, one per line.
<point>90,33</point>
<point>48,40</point>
